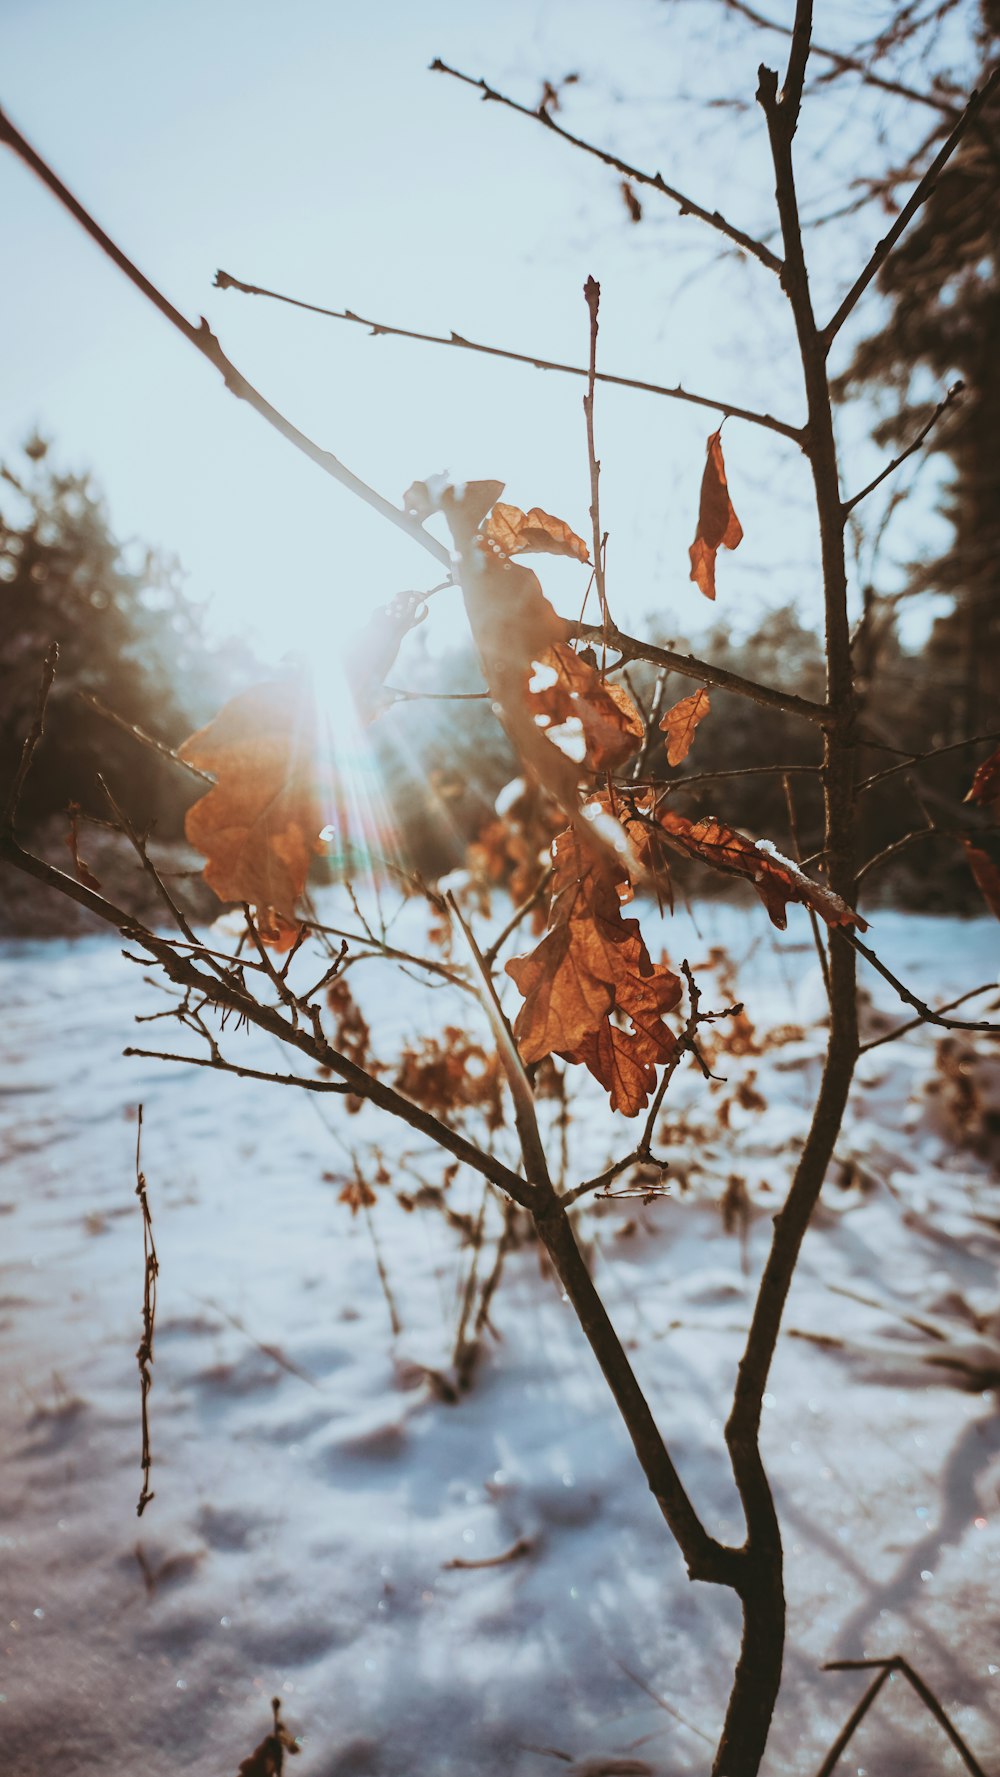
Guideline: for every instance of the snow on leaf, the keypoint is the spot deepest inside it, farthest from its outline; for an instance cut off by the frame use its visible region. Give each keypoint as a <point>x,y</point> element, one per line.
<point>589,974</point>
<point>776,880</point>
<point>679,725</point>
<point>259,825</point>
<point>718,525</point>
<point>535,532</point>
<point>612,726</point>
<point>438,494</point>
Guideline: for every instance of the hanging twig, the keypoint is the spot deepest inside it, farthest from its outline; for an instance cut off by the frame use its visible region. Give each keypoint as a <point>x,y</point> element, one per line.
<point>144,1352</point>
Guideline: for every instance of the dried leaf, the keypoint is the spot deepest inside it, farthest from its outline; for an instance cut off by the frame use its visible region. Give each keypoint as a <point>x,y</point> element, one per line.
<point>371,653</point>
<point>679,725</point>
<point>718,525</point>
<point>259,825</point>
<point>472,499</point>
<point>632,204</point>
<point>450,1073</point>
<point>776,879</point>
<point>535,532</point>
<point>589,972</point>
<point>83,871</point>
<point>611,726</point>
<point>986,784</point>
<point>986,872</point>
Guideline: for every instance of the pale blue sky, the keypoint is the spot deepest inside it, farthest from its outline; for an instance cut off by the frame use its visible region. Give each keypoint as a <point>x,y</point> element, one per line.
<point>308,148</point>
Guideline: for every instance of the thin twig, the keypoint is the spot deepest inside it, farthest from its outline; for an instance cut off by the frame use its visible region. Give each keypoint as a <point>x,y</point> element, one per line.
<point>205,342</point>
<point>33,737</point>
<point>926,1015</point>
<point>690,667</point>
<point>902,1030</point>
<point>918,196</point>
<point>793,827</point>
<point>634,175</point>
<point>853,1722</point>
<point>520,913</point>
<point>953,395</point>
<point>146,740</point>
<point>898,845</point>
<point>383,1275</point>
<point>904,764</point>
<point>144,1352</point>
<point>245,1073</point>
<point>592,296</point>
<point>898,1664</point>
<point>847,64</point>
<point>459,342</point>
<point>516,1552</point>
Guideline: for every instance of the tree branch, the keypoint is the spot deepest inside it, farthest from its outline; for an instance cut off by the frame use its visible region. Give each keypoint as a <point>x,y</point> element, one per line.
<point>690,667</point>
<point>205,342</point>
<point>226,993</point>
<point>902,1030</point>
<point>926,1015</point>
<point>918,196</point>
<point>458,342</point>
<point>954,394</point>
<point>245,1073</point>
<point>846,64</point>
<point>686,205</point>
<point>971,740</point>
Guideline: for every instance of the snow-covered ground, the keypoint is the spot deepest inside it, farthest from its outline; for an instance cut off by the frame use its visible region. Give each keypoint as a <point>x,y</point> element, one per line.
<point>312,1488</point>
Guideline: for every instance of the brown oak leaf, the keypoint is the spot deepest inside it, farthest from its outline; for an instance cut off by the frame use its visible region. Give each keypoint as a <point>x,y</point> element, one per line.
<point>679,725</point>
<point>612,728</point>
<point>259,825</point>
<point>590,973</point>
<point>535,532</point>
<point>718,525</point>
<point>776,879</point>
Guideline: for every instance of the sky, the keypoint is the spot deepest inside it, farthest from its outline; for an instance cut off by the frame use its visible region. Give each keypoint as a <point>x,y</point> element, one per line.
<point>309,149</point>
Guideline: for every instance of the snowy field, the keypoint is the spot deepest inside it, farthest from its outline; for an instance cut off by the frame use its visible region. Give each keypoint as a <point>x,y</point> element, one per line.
<point>312,1487</point>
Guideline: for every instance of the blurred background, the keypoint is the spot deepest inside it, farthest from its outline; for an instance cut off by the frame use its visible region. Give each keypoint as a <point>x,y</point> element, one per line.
<point>178,551</point>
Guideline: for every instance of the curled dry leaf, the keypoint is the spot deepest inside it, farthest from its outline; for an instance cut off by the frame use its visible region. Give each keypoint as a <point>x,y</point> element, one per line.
<point>259,825</point>
<point>776,879</point>
<point>986,873</point>
<point>589,974</point>
<point>268,1759</point>
<point>610,725</point>
<point>718,525</point>
<point>985,788</point>
<point>371,653</point>
<point>535,532</point>
<point>679,725</point>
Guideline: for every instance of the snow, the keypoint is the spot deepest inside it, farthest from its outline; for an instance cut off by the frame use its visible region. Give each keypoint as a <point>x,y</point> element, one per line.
<point>311,1488</point>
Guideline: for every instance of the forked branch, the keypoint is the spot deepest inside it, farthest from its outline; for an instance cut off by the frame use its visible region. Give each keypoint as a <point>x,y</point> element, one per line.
<point>686,205</point>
